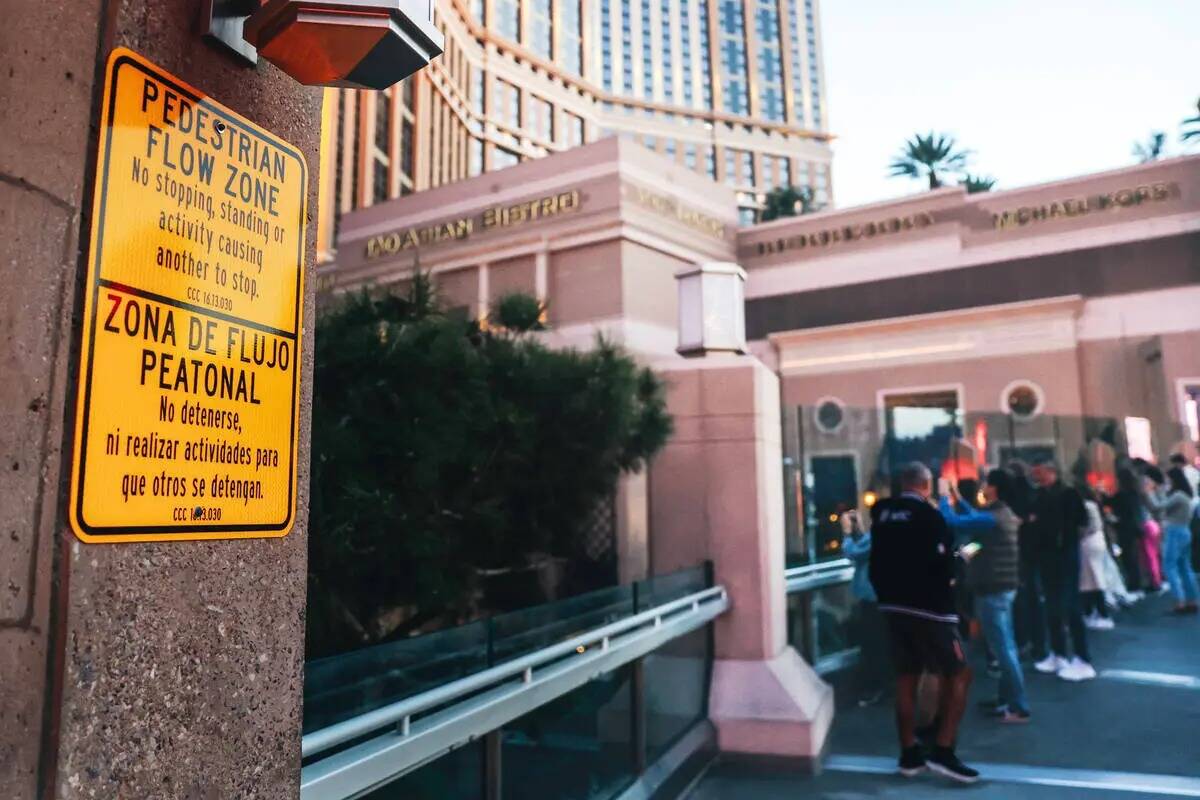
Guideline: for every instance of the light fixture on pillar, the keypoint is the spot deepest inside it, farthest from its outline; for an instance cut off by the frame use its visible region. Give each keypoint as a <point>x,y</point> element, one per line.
<point>355,44</point>
<point>712,309</point>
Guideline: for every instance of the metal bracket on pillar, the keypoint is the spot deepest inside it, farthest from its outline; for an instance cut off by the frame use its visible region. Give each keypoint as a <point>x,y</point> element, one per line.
<point>222,22</point>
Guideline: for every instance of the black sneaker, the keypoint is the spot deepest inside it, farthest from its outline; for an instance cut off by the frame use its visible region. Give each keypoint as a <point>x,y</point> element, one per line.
<point>943,761</point>
<point>912,761</point>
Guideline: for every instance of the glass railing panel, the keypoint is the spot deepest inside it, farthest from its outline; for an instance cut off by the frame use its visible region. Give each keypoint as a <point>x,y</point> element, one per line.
<point>578,747</point>
<point>664,588</point>
<point>676,690</point>
<point>458,775</point>
<point>519,632</point>
<point>346,685</point>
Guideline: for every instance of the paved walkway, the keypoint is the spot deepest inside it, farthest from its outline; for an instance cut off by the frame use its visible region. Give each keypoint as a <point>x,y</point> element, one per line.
<point>1132,733</point>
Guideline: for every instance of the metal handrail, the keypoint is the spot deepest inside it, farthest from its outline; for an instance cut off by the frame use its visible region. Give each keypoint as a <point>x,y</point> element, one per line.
<point>822,573</point>
<point>400,713</point>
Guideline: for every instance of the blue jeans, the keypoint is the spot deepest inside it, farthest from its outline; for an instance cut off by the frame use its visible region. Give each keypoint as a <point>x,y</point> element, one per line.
<point>1177,565</point>
<point>995,616</point>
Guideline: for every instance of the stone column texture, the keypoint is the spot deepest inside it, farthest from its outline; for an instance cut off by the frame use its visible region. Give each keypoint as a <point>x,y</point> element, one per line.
<point>167,670</point>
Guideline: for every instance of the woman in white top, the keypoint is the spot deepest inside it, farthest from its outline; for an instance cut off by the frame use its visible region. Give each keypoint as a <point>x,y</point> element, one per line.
<point>1093,553</point>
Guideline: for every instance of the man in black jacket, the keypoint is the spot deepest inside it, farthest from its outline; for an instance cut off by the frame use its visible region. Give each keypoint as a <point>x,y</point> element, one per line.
<point>1058,515</point>
<point>912,571</point>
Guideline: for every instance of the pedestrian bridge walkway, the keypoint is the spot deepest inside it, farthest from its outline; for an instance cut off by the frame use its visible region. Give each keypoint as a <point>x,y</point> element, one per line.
<point>1134,732</point>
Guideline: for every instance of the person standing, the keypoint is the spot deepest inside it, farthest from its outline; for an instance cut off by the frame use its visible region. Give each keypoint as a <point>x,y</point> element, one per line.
<point>1029,614</point>
<point>992,576</point>
<point>1058,515</point>
<point>1153,502</point>
<point>912,572</point>
<point>1093,565</point>
<point>1130,514</point>
<point>872,669</point>
<point>1177,513</point>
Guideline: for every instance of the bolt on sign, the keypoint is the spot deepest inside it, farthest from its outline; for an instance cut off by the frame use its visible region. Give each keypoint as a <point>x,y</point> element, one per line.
<point>187,410</point>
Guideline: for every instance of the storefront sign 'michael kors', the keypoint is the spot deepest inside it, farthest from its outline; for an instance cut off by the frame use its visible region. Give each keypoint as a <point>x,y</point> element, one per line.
<point>463,227</point>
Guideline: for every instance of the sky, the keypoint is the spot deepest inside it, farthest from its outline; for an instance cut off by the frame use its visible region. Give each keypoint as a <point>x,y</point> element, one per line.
<point>1037,89</point>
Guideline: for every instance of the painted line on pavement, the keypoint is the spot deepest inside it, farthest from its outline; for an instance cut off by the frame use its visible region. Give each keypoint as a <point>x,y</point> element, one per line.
<point>1173,785</point>
<point>1152,678</point>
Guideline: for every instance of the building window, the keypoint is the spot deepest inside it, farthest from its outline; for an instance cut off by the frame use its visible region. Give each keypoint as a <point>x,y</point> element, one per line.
<point>685,49</point>
<point>829,414</point>
<point>706,95</point>
<point>647,53</point>
<point>814,72</point>
<point>733,56</point>
<point>475,166</point>
<point>730,166</point>
<point>569,37</point>
<point>710,162</point>
<point>541,27</point>
<point>651,142</point>
<point>338,170</point>
<point>689,155</point>
<point>541,119</point>
<point>1023,399</point>
<point>797,56</point>
<point>606,67</point>
<point>477,10</point>
<point>747,216</point>
<point>406,149</point>
<point>785,171</point>
<point>356,149</point>
<point>770,56</point>
<point>573,130</point>
<point>507,109</point>
<point>921,422</point>
<point>508,19</point>
<point>747,160</point>
<point>477,91</point>
<point>668,52</point>
<point>502,158</point>
<point>669,146</point>
<point>627,46</point>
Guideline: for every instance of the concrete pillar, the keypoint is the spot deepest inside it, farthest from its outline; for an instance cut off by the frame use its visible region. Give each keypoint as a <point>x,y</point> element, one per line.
<point>716,493</point>
<point>126,670</point>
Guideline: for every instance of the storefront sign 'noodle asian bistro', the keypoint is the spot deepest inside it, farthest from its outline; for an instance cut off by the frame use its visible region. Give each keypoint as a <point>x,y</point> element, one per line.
<point>492,218</point>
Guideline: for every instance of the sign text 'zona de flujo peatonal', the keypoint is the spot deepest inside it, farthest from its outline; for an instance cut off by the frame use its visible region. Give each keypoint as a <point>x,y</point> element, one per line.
<point>188,403</point>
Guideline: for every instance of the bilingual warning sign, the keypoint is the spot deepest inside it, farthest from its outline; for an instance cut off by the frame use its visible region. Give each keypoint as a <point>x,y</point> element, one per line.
<point>187,411</point>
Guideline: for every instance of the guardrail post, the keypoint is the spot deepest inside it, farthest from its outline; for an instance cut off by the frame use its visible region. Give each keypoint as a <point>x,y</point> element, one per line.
<point>638,685</point>
<point>492,764</point>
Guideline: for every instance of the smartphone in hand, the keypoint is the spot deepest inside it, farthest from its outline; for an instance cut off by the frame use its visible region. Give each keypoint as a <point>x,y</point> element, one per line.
<point>969,550</point>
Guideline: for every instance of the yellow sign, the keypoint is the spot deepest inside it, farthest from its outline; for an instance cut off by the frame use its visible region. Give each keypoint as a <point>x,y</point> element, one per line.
<point>188,404</point>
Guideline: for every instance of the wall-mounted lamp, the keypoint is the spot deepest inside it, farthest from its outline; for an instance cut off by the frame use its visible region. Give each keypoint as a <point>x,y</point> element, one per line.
<point>356,44</point>
<point>712,309</point>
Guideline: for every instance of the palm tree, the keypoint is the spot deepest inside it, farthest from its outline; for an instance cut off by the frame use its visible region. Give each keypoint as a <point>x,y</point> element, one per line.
<point>1191,126</point>
<point>929,156</point>
<point>1151,149</point>
<point>787,201</point>
<point>977,183</point>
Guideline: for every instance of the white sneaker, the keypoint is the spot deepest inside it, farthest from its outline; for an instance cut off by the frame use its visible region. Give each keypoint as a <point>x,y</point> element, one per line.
<point>1092,621</point>
<point>1138,596</point>
<point>1077,670</point>
<point>1051,664</point>
<point>1105,624</point>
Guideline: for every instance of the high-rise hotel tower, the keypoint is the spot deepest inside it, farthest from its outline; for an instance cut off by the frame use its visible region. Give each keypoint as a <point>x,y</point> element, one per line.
<point>730,88</point>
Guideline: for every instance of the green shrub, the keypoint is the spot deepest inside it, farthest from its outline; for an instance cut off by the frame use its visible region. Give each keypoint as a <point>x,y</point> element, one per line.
<point>441,450</point>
